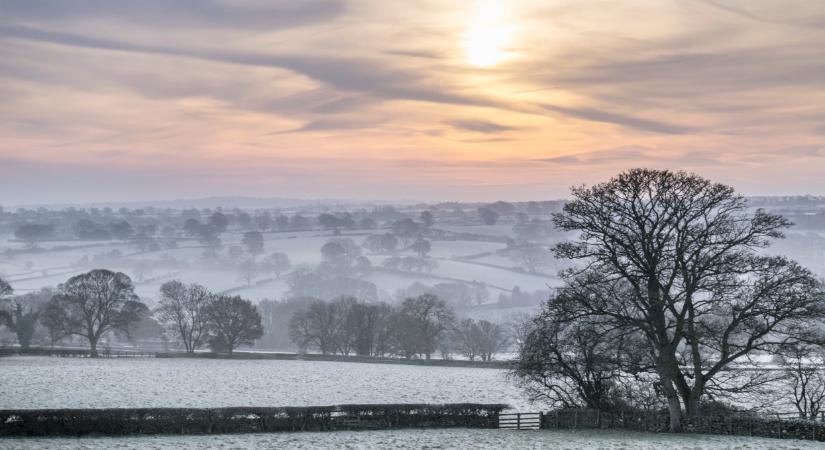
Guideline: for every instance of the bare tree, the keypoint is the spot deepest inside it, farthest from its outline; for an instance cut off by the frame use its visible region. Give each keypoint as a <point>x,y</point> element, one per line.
<point>493,339</point>
<point>421,247</point>
<point>24,312</point>
<point>279,263</point>
<point>254,243</point>
<point>419,324</point>
<point>94,303</point>
<point>248,269</point>
<point>183,307</point>
<point>683,251</point>
<point>318,326</point>
<point>804,370</point>
<point>32,233</point>
<point>5,291</point>
<point>530,256</point>
<point>233,322</point>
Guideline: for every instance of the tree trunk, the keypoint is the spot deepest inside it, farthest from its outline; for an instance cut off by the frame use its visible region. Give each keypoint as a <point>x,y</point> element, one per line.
<point>675,410</point>
<point>692,403</point>
<point>93,347</point>
<point>674,406</point>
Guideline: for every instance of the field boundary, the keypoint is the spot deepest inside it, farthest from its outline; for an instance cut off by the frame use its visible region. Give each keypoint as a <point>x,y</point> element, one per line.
<point>125,353</point>
<point>135,421</point>
<point>658,422</point>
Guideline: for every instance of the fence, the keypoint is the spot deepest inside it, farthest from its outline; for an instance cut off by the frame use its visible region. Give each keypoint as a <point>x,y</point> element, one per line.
<point>128,421</point>
<point>520,421</point>
<point>659,422</point>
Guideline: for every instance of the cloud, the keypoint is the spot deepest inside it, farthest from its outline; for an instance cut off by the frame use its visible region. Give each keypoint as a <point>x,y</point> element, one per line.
<point>369,76</point>
<point>334,124</point>
<point>612,155</point>
<point>480,126</point>
<point>177,13</point>
<point>596,115</point>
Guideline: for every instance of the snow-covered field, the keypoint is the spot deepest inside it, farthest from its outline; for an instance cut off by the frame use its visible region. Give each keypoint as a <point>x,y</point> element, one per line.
<point>456,438</point>
<point>57,261</point>
<point>41,382</point>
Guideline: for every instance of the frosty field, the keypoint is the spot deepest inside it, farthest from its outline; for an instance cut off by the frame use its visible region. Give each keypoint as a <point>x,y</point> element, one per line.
<point>430,438</point>
<point>40,382</point>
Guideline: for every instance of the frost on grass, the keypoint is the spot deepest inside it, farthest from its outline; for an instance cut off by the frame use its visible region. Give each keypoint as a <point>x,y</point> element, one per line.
<point>429,438</point>
<point>145,382</point>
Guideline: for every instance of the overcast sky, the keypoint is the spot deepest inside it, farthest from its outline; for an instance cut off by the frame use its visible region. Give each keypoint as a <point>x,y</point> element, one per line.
<point>106,100</point>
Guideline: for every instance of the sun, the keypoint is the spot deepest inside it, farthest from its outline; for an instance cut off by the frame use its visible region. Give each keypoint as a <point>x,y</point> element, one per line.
<point>487,37</point>
<point>484,47</point>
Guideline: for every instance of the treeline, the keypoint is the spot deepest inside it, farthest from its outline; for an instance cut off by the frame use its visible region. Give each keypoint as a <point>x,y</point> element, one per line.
<point>418,327</point>
<point>101,304</point>
<point>95,305</point>
<point>157,228</point>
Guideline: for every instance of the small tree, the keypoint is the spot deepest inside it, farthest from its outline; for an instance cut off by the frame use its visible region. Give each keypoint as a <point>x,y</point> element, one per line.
<point>318,326</point>
<point>24,312</point>
<point>426,219</point>
<point>94,303</point>
<point>568,364</point>
<point>530,256</point>
<point>233,322</point>
<point>5,291</point>
<point>248,269</point>
<point>422,247</point>
<point>254,243</point>
<point>183,307</point>
<point>219,221</point>
<point>279,263</point>
<point>419,324</point>
<point>32,233</point>
<point>804,370</point>
<point>488,216</point>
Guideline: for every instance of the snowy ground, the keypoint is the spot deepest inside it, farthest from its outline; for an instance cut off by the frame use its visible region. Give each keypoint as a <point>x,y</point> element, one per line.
<point>42,382</point>
<point>57,261</point>
<point>428,438</point>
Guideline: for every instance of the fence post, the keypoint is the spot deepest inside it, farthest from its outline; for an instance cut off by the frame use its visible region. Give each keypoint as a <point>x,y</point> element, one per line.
<point>518,421</point>
<point>541,420</point>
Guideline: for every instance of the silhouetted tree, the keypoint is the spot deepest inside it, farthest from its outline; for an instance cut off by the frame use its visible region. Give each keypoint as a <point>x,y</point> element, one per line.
<point>571,364</point>
<point>803,370</point>
<point>421,247</point>
<point>24,312</point>
<point>183,308</point>
<point>233,322</point>
<point>675,258</point>
<point>419,323</point>
<point>94,303</point>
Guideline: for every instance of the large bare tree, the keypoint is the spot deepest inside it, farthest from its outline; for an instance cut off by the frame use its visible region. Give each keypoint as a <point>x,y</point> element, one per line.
<point>677,258</point>
<point>94,303</point>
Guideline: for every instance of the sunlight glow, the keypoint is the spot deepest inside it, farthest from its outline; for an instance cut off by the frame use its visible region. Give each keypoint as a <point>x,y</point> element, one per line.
<point>488,34</point>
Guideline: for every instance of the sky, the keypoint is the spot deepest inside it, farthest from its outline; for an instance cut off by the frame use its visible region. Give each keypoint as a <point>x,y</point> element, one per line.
<point>108,100</point>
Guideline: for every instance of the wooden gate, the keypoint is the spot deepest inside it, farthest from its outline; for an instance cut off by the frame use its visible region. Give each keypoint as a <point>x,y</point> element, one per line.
<point>520,421</point>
